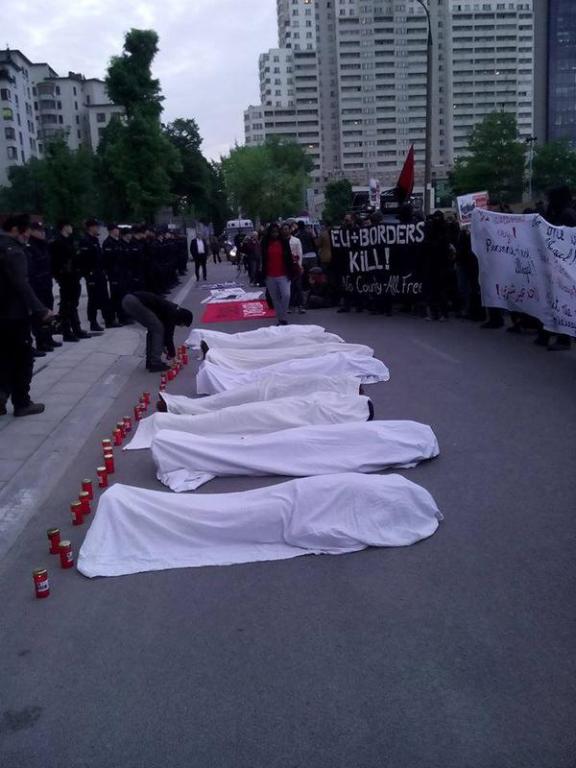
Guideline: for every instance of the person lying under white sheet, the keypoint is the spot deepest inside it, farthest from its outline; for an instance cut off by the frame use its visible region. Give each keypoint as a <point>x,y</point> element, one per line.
<point>185,462</point>
<point>250,359</point>
<point>272,387</point>
<point>135,530</point>
<point>211,378</point>
<point>261,338</point>
<point>256,418</point>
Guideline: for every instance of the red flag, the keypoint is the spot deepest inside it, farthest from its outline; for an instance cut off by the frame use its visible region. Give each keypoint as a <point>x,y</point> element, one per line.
<point>405,183</point>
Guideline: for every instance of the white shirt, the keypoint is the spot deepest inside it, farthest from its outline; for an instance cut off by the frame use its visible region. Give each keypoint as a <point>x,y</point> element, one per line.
<point>200,245</point>
<point>296,248</point>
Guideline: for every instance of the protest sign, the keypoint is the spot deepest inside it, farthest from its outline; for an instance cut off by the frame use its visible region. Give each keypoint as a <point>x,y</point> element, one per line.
<point>468,203</point>
<point>382,260</point>
<point>231,311</point>
<point>527,265</point>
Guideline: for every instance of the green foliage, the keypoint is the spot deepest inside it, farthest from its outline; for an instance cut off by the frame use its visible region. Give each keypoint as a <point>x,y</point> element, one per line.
<point>129,81</point>
<point>135,155</point>
<point>495,160</point>
<point>554,165</point>
<point>136,161</point>
<point>267,182</point>
<point>60,185</point>
<point>337,200</point>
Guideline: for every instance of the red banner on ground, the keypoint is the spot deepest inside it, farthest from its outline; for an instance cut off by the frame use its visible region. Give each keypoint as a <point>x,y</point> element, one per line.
<point>231,311</point>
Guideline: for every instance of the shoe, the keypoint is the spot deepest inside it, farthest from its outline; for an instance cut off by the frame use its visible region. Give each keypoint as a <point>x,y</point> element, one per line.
<point>29,410</point>
<point>55,343</point>
<point>83,334</point>
<point>70,337</point>
<point>158,368</point>
<point>491,324</point>
<point>283,322</point>
<point>514,329</point>
<point>290,311</point>
<point>301,311</point>
<point>38,353</point>
<point>539,342</point>
<point>96,328</point>
<point>45,347</point>
<point>113,325</point>
<point>559,347</point>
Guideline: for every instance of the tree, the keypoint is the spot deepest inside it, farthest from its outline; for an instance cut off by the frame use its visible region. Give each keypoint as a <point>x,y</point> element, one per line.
<point>129,81</point>
<point>134,153</point>
<point>554,165</point>
<point>495,160</point>
<point>267,181</point>
<point>191,181</point>
<point>60,185</point>
<point>337,200</point>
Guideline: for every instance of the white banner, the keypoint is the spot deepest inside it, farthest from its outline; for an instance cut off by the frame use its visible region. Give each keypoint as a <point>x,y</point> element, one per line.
<point>527,265</point>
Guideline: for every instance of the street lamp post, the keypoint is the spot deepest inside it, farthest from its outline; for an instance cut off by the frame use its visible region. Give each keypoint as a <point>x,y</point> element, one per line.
<point>429,84</point>
<point>530,141</point>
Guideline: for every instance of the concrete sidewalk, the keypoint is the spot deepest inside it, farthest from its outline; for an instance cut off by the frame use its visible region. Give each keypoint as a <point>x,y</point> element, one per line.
<point>78,383</point>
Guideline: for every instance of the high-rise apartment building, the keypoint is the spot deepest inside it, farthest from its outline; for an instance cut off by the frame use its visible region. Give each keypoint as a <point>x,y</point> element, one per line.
<point>561,117</point>
<point>348,80</point>
<point>37,105</point>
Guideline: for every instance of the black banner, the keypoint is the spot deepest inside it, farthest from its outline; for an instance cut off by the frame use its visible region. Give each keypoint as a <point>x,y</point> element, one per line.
<point>382,260</point>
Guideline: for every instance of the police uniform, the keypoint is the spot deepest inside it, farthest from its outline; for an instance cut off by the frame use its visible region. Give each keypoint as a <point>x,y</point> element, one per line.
<point>66,272</point>
<point>92,267</point>
<point>114,260</point>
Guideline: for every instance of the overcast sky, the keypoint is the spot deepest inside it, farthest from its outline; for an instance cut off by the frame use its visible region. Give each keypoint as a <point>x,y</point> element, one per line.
<point>208,59</point>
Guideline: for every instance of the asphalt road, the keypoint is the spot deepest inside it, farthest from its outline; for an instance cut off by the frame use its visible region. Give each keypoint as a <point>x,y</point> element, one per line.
<point>459,652</point>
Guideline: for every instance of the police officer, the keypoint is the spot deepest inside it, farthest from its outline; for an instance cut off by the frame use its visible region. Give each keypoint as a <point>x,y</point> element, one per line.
<point>92,267</point>
<point>66,272</point>
<point>135,249</point>
<point>18,303</point>
<point>113,256</point>
<point>40,279</point>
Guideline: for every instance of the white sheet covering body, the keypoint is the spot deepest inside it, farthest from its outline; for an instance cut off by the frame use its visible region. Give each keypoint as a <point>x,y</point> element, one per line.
<point>257,418</point>
<point>136,530</point>
<point>272,387</point>
<point>249,359</point>
<point>261,338</point>
<point>213,378</point>
<point>185,462</point>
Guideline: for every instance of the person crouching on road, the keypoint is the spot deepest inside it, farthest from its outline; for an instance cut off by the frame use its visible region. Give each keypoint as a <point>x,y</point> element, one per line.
<point>159,316</point>
<point>277,268</point>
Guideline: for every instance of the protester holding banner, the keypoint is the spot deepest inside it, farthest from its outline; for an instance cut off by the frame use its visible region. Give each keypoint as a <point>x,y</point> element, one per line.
<point>277,269</point>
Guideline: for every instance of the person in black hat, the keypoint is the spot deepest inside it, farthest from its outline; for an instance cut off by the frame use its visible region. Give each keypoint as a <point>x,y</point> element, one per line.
<point>159,316</point>
<point>66,272</point>
<point>114,258</point>
<point>18,303</point>
<point>40,278</point>
<point>92,266</point>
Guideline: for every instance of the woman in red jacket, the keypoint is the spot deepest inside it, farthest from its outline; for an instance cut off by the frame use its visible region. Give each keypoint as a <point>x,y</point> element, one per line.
<point>277,267</point>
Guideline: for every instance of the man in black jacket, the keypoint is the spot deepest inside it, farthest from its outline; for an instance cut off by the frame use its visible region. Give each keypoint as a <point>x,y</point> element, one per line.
<point>159,317</point>
<point>92,266</point>
<point>66,272</point>
<point>18,303</point>
<point>114,258</point>
<point>40,279</point>
<point>199,253</point>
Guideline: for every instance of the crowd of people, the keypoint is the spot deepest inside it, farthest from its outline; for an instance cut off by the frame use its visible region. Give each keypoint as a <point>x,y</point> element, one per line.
<point>299,269</point>
<point>129,261</point>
